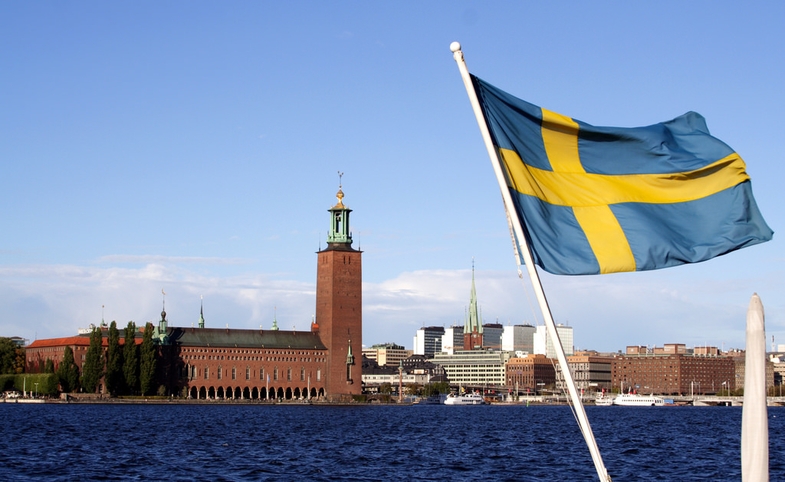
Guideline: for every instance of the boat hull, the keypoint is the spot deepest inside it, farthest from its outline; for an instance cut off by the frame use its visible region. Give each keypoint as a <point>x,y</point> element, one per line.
<point>634,400</point>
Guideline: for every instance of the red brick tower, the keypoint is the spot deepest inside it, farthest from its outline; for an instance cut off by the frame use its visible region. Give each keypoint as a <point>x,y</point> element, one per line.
<point>339,306</point>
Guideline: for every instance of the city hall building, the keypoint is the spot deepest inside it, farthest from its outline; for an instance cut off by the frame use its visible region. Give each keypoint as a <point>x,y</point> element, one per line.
<point>324,362</point>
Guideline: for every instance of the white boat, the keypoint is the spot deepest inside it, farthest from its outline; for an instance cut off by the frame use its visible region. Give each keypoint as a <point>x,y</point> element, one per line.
<point>636,400</point>
<point>603,401</point>
<point>467,399</point>
<point>436,399</point>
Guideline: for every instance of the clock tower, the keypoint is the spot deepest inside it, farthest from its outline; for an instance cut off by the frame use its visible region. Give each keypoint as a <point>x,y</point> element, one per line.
<point>339,306</point>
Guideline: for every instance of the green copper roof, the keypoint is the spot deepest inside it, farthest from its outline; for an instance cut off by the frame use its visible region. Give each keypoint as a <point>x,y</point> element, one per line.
<point>225,337</point>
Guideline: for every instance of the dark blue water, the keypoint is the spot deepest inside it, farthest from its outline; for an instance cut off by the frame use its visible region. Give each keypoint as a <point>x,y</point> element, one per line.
<point>438,443</point>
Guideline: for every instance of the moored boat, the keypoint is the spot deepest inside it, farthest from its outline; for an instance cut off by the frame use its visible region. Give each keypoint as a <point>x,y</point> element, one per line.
<point>636,400</point>
<point>467,399</point>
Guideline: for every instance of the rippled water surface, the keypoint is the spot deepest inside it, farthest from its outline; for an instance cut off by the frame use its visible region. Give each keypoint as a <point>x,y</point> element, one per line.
<point>439,443</point>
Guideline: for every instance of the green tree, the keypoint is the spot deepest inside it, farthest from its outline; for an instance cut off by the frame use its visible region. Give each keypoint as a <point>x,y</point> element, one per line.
<point>8,356</point>
<point>114,362</point>
<point>412,389</point>
<point>147,362</point>
<point>93,366</point>
<point>131,359</point>
<point>436,389</point>
<point>20,360</point>
<point>68,372</point>
<point>49,366</point>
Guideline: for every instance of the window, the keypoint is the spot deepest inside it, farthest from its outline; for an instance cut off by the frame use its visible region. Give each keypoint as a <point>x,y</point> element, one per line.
<point>302,374</point>
<point>247,373</point>
<point>234,373</point>
<point>220,373</point>
<point>275,373</point>
<point>206,373</point>
<point>289,374</point>
<point>261,374</point>
<point>318,374</point>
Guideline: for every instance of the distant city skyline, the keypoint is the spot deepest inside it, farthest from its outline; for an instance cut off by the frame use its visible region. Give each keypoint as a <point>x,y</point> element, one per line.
<point>196,148</point>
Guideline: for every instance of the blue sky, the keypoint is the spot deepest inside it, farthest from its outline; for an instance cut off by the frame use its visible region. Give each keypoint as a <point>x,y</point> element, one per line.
<point>194,147</point>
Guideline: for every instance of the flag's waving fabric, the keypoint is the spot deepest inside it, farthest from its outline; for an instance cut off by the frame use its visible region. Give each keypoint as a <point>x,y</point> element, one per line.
<point>608,199</point>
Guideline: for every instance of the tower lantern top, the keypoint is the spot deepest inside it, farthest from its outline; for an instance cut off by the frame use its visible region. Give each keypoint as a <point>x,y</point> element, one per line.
<point>339,194</point>
<point>340,235</point>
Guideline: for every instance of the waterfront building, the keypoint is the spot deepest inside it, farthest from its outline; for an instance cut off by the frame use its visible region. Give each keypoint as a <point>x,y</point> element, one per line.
<point>266,364</point>
<point>673,373</point>
<point>413,371</point>
<point>589,372</point>
<point>387,354</point>
<point>474,368</point>
<point>518,338</point>
<point>530,374</point>
<point>53,349</point>
<point>543,344</point>
<point>428,341</point>
<point>740,364</point>
<point>452,340</point>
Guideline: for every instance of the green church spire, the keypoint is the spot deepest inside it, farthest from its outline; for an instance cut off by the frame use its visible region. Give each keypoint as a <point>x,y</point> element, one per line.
<point>473,321</point>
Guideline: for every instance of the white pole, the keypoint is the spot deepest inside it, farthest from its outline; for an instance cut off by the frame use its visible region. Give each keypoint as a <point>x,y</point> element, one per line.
<point>754,416</point>
<point>583,421</point>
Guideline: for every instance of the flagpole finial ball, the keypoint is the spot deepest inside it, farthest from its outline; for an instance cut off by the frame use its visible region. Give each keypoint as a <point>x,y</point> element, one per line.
<point>455,46</point>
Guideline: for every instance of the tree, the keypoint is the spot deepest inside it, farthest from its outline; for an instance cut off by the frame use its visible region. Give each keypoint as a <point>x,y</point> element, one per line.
<point>131,359</point>
<point>68,372</point>
<point>49,366</point>
<point>147,362</point>
<point>7,356</point>
<point>114,362</point>
<point>412,389</point>
<point>436,388</point>
<point>93,367</point>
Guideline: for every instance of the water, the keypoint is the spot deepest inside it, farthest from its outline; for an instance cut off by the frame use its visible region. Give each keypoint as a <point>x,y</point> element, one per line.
<point>321,443</point>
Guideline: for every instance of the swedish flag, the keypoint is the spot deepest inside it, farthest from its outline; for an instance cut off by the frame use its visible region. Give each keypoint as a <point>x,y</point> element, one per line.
<point>609,199</point>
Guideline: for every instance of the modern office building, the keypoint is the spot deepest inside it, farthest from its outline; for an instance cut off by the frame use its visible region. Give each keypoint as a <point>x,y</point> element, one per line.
<point>428,341</point>
<point>474,368</point>
<point>518,338</point>
<point>492,336</point>
<point>387,354</point>
<point>543,344</point>
<point>452,340</point>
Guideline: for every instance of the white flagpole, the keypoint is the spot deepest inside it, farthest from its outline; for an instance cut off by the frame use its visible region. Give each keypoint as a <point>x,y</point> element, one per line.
<point>583,421</point>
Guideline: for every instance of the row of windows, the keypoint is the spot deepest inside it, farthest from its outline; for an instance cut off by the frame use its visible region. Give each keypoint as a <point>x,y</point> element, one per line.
<point>243,351</point>
<point>251,358</point>
<point>192,372</point>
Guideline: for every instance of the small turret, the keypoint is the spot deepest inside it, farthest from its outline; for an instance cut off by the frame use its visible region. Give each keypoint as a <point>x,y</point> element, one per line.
<point>201,314</point>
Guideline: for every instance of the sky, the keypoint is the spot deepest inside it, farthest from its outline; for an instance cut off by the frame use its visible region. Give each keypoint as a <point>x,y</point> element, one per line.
<point>193,148</point>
